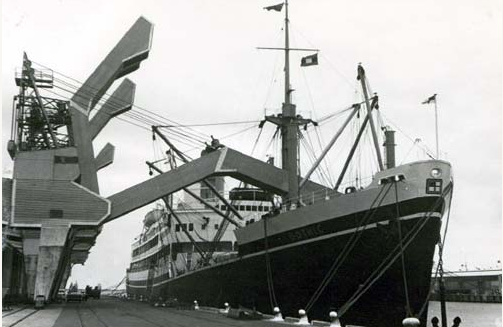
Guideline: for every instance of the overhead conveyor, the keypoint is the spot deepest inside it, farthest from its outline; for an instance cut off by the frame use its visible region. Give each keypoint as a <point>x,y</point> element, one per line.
<point>223,162</point>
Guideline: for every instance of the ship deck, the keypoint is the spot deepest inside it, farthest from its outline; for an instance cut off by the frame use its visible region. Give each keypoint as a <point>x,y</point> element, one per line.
<point>109,311</point>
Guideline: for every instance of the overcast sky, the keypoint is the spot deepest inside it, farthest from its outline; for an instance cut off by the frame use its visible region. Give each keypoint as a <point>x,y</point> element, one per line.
<point>203,68</point>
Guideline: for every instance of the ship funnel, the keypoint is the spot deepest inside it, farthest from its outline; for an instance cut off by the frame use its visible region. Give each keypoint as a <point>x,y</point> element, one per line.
<point>389,146</point>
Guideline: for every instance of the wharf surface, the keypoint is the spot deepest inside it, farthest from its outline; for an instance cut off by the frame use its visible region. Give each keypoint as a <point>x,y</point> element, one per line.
<point>108,312</point>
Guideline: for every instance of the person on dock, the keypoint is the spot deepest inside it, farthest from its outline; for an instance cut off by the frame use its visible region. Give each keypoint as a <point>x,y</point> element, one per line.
<point>456,321</point>
<point>434,321</point>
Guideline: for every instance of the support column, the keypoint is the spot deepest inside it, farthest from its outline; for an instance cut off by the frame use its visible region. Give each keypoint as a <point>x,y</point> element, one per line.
<point>52,245</point>
<point>7,267</point>
<point>30,254</point>
<point>66,275</point>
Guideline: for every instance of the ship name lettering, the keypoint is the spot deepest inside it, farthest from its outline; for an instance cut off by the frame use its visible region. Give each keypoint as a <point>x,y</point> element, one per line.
<point>306,233</point>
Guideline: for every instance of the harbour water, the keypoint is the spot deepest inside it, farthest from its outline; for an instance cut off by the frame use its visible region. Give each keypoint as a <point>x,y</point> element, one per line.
<point>471,314</point>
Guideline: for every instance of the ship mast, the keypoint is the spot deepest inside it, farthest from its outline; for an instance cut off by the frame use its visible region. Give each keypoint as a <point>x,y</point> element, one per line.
<point>288,121</point>
<point>289,137</point>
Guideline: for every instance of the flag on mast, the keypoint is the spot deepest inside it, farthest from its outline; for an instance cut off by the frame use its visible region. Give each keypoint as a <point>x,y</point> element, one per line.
<point>277,7</point>
<point>433,98</point>
<point>309,60</point>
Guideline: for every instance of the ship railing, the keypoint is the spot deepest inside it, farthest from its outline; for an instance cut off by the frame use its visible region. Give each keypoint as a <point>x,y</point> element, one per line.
<point>43,77</point>
<point>322,195</point>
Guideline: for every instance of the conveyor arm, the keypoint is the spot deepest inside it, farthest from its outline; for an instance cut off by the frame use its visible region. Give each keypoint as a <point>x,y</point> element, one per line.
<point>224,162</point>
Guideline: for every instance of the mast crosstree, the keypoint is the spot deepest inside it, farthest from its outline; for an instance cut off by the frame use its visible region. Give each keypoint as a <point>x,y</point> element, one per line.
<point>289,122</point>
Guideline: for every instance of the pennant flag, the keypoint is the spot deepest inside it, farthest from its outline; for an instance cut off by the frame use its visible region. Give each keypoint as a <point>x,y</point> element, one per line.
<point>433,98</point>
<point>309,60</point>
<point>277,7</point>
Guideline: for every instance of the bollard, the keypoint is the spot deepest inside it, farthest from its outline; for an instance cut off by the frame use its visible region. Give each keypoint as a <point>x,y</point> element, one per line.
<point>196,305</point>
<point>226,309</point>
<point>277,315</point>
<point>334,319</point>
<point>303,318</point>
<point>456,321</point>
<point>411,321</point>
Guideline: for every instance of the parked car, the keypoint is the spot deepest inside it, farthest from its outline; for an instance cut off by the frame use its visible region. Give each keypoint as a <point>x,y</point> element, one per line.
<point>78,296</point>
<point>61,297</point>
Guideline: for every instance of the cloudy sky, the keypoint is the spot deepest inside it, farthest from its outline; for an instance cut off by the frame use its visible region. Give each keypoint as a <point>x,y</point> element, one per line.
<point>204,68</point>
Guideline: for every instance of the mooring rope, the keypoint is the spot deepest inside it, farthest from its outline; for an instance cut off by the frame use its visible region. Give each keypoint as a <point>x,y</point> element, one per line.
<point>383,266</point>
<point>269,276</point>
<point>346,250</point>
<point>441,244</point>
<point>404,271</point>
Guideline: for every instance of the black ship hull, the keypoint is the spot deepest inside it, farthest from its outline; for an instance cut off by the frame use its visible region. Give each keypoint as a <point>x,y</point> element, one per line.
<point>298,270</point>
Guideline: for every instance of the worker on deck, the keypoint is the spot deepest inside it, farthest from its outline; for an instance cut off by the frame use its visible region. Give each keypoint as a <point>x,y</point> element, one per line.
<point>215,145</point>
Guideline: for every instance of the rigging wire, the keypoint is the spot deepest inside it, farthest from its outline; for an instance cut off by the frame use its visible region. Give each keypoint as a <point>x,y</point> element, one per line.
<point>119,118</point>
<point>427,151</point>
<point>147,120</point>
<point>213,124</point>
<point>441,246</point>
<point>344,77</point>
<point>402,251</point>
<point>117,103</point>
<point>94,91</point>
<point>312,158</point>
<point>348,247</point>
<point>274,73</point>
<point>392,256</point>
<point>325,162</point>
<point>322,174</point>
<point>176,136</point>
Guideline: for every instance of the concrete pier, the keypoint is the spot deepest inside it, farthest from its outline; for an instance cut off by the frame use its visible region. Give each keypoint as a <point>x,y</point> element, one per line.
<point>110,311</point>
<point>52,246</point>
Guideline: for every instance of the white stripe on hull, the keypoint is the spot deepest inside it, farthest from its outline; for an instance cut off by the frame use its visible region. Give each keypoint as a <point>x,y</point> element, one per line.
<point>299,243</point>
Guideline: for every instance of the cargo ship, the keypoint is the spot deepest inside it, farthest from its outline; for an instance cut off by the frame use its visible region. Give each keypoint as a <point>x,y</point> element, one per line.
<point>364,251</point>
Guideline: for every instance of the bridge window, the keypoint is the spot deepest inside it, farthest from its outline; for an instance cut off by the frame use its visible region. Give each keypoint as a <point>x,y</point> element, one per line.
<point>266,208</point>
<point>260,208</point>
<point>433,186</point>
<point>177,227</point>
<point>147,246</point>
<point>242,208</point>
<point>184,227</point>
<point>391,179</point>
<point>248,208</point>
<point>254,208</point>
<point>216,226</point>
<point>191,227</point>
